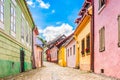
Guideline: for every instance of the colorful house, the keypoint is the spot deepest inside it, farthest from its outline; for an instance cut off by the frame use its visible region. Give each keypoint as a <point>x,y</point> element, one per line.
<point>62,56</point>
<point>54,54</point>
<point>54,49</point>
<point>16,26</point>
<point>82,35</point>
<point>62,52</point>
<point>107,37</point>
<point>48,55</point>
<point>71,52</point>
<point>37,44</point>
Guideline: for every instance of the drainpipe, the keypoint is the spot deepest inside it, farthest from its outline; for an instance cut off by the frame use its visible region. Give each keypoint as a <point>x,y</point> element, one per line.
<point>92,37</point>
<point>33,57</point>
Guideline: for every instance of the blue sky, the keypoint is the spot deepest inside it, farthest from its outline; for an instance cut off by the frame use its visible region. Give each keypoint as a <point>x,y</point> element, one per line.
<point>55,17</point>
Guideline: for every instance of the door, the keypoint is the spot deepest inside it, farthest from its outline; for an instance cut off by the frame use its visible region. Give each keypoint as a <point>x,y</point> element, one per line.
<point>22,61</point>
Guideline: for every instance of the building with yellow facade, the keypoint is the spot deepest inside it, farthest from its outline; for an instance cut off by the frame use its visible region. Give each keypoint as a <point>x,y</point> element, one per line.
<point>82,36</point>
<point>62,56</point>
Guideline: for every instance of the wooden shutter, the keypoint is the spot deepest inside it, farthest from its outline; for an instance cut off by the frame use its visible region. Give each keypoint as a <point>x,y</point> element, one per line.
<point>102,39</point>
<point>83,46</point>
<point>88,42</point>
<point>119,30</point>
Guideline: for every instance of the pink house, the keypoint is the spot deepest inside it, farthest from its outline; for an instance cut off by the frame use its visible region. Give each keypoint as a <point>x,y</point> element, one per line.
<point>53,53</point>
<point>54,49</point>
<point>107,37</point>
<point>70,52</point>
<point>37,45</point>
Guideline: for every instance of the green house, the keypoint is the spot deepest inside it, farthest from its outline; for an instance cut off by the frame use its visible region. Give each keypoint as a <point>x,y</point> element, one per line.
<point>16,25</point>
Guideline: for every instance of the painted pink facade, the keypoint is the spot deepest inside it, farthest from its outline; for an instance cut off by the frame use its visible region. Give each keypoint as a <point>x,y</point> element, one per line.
<point>71,55</point>
<point>109,59</point>
<point>37,50</point>
<point>54,52</point>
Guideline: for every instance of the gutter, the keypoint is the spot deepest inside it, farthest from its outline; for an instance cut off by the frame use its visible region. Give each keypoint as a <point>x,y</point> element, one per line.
<point>92,37</point>
<point>33,57</point>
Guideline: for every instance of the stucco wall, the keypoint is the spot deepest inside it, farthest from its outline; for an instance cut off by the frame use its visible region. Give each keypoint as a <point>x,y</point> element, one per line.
<point>84,60</point>
<point>10,46</point>
<point>62,56</point>
<point>71,59</point>
<point>109,60</point>
<point>53,52</point>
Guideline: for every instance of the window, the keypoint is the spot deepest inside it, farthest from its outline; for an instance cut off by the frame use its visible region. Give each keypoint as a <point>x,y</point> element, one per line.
<point>1,13</point>
<point>27,32</point>
<point>30,38</point>
<point>102,39</point>
<point>13,23</point>
<point>101,3</point>
<point>88,44</point>
<point>83,46</point>
<point>73,49</point>
<point>68,52</point>
<point>119,31</point>
<point>22,28</point>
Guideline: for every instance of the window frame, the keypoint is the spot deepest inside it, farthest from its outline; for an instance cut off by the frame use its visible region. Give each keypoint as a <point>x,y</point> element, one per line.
<point>101,7</point>
<point>70,51</point>
<point>22,28</point>
<point>2,13</point>
<point>102,39</point>
<point>73,49</point>
<point>83,47</point>
<point>88,46</point>
<point>12,20</point>
<point>118,30</point>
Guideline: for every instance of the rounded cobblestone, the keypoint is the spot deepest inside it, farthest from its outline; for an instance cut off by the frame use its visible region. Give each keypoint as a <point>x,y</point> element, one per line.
<point>53,71</point>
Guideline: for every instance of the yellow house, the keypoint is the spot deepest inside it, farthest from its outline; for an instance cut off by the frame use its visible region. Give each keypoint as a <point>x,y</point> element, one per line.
<point>62,61</point>
<point>62,56</point>
<point>82,37</point>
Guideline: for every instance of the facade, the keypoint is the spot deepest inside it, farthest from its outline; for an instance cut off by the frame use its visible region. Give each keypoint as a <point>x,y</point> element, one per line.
<point>107,37</point>
<point>82,36</point>
<point>37,56</point>
<point>54,54</point>
<point>44,54</point>
<point>62,51</point>
<point>53,49</point>
<point>62,56</point>
<point>48,55</point>
<point>70,52</point>
<point>16,26</point>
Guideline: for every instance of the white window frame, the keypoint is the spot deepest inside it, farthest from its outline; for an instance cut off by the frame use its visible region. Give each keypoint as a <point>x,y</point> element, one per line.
<point>13,20</point>
<point>27,34</point>
<point>2,14</point>
<point>100,8</point>
<point>22,28</point>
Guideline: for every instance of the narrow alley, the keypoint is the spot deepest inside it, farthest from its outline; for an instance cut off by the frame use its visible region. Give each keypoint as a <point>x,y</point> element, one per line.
<point>52,71</point>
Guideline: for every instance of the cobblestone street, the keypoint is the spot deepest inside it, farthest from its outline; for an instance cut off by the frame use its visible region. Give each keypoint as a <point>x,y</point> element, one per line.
<point>51,71</point>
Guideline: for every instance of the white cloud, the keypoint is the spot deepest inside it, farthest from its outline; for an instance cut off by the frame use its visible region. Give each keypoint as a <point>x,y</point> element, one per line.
<point>53,11</point>
<point>43,4</point>
<point>31,3</point>
<point>51,32</point>
<point>58,22</point>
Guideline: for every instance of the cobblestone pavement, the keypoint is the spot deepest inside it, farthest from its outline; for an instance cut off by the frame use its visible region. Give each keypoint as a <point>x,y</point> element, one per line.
<point>52,71</point>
